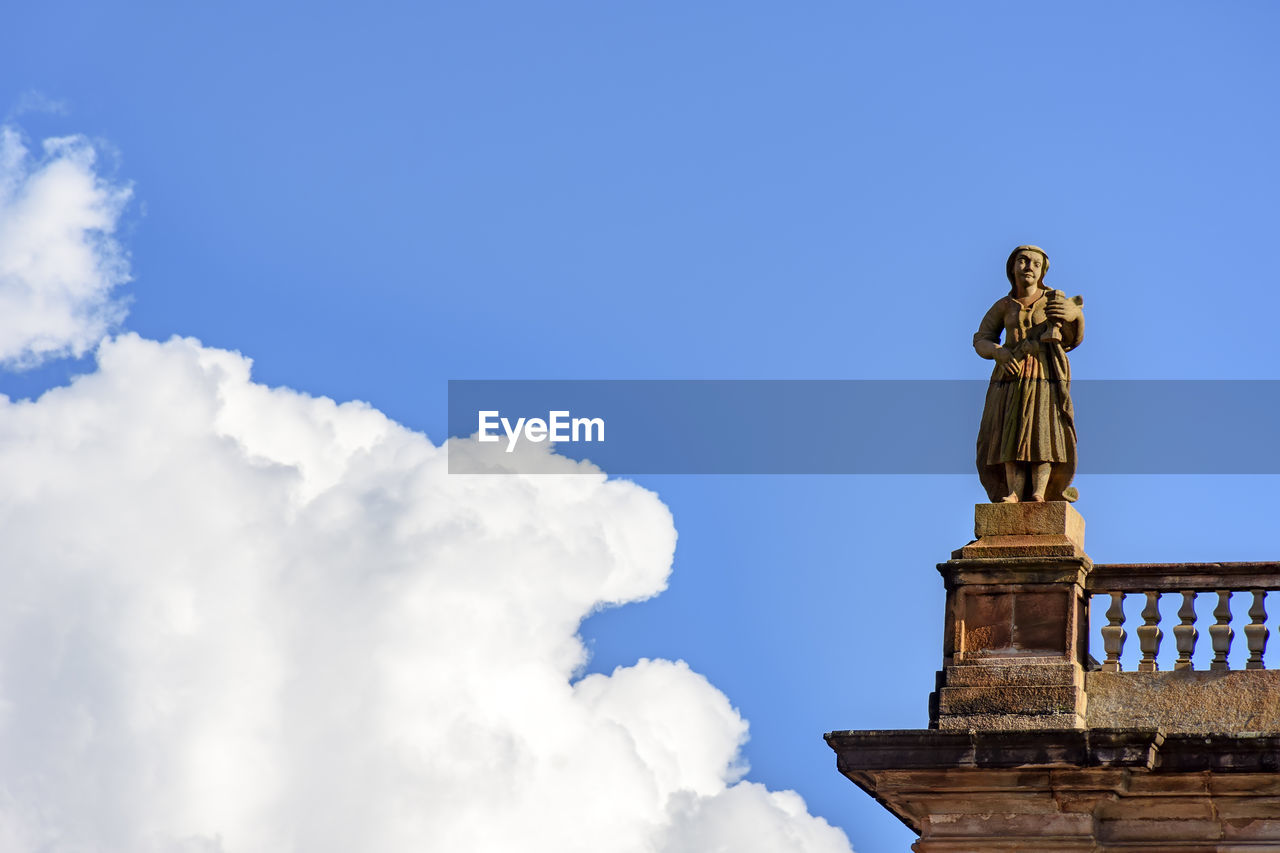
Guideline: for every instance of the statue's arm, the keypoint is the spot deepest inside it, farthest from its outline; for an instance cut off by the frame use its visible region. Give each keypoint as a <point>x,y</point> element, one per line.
<point>986,341</point>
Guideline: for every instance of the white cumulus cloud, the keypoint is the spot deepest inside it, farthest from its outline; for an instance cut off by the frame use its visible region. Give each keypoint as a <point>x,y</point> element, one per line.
<point>241,619</point>
<point>59,261</point>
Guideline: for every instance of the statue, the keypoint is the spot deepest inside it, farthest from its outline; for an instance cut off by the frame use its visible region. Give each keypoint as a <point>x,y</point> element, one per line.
<point>1027,439</point>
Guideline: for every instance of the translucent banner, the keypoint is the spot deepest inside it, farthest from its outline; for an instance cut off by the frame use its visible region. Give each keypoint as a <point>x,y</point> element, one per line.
<point>852,426</point>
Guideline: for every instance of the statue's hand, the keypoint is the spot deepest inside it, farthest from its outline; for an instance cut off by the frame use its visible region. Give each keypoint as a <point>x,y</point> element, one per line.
<point>1062,310</point>
<point>1012,367</point>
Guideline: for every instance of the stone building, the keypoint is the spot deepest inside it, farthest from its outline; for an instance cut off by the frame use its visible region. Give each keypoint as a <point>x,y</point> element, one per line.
<point>1034,745</point>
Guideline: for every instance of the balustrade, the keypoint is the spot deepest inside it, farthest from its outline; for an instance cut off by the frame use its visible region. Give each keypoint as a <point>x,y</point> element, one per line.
<point>1152,580</point>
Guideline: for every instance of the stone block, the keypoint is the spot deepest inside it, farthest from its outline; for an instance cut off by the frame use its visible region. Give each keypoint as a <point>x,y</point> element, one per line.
<point>1051,517</point>
<point>1045,545</point>
<point>1011,674</point>
<point>1169,832</point>
<point>1015,571</point>
<point>1186,700</point>
<point>1050,529</point>
<point>1008,700</point>
<point>1010,722</point>
<point>1022,824</point>
<point>1023,621</point>
<point>1006,845</point>
<point>1159,806</point>
<point>1246,785</point>
<point>1040,620</point>
<point>1249,807</point>
<point>1252,831</point>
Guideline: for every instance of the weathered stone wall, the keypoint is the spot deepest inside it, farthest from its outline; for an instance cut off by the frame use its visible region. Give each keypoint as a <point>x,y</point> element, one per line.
<point>1185,701</point>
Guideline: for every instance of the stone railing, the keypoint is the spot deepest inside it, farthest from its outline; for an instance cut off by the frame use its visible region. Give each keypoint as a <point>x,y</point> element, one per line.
<point>1227,584</point>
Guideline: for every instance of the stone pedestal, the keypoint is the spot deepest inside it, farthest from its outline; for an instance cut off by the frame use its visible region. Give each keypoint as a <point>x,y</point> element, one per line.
<point>1016,622</point>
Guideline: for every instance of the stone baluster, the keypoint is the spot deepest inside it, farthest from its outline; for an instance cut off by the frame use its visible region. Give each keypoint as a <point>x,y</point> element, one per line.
<point>1256,631</point>
<point>1221,633</point>
<point>1149,634</point>
<point>1113,633</point>
<point>1185,635</point>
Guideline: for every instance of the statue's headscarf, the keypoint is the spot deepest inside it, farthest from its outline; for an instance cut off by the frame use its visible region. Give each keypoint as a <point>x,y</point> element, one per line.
<point>1008,265</point>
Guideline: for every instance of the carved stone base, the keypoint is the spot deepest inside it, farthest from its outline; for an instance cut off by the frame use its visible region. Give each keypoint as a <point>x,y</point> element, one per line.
<point>1009,695</point>
<point>1016,620</point>
<point>1050,529</point>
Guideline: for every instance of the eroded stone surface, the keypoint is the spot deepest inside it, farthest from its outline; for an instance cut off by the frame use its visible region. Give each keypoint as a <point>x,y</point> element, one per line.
<point>1009,699</point>
<point>1029,519</point>
<point>1098,789</point>
<point>1039,545</point>
<point>1050,529</point>
<point>1186,700</point>
<point>1009,722</point>
<point>1013,674</point>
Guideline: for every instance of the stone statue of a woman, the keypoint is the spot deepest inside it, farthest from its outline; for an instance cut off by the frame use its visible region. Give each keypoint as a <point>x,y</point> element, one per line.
<point>1027,440</point>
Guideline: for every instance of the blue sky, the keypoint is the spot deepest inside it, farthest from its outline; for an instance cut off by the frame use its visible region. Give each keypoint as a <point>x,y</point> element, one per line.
<point>370,201</point>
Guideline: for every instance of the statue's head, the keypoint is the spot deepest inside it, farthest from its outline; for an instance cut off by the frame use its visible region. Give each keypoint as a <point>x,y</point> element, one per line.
<point>1029,250</point>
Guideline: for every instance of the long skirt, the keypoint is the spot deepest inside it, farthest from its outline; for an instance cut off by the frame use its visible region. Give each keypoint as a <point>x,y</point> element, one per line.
<point>1029,418</point>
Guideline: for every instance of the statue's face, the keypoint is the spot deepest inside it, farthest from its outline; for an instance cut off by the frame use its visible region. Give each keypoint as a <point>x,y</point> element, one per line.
<point>1027,268</point>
